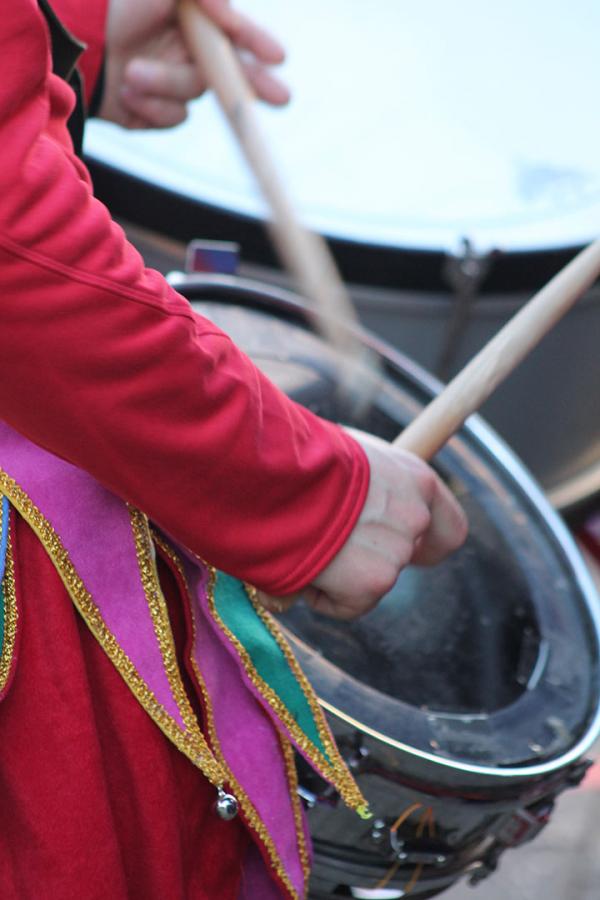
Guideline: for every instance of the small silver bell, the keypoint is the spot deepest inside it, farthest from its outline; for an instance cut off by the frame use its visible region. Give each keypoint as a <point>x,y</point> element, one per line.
<point>226,806</point>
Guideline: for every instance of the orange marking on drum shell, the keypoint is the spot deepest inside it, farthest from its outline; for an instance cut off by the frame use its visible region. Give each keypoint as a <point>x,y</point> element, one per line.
<point>426,819</point>
<point>405,815</point>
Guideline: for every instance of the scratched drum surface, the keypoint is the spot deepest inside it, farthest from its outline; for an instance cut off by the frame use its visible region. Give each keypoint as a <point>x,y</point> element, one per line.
<point>411,125</point>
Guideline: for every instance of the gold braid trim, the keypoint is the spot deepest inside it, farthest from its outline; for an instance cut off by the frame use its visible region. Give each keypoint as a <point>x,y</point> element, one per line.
<point>93,619</point>
<point>10,613</point>
<point>334,768</point>
<point>250,814</point>
<point>292,773</point>
<point>164,635</point>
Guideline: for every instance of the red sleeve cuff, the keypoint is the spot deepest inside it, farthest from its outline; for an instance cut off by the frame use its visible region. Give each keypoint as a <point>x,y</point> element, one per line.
<point>339,513</point>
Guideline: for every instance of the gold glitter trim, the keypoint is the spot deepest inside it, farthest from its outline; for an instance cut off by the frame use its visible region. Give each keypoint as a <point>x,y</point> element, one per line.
<point>344,781</point>
<point>333,769</point>
<point>292,774</point>
<point>250,814</point>
<point>93,619</point>
<point>11,614</point>
<point>164,635</point>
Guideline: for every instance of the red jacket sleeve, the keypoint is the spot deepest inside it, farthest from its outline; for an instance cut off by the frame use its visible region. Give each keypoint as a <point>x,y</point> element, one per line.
<point>105,365</point>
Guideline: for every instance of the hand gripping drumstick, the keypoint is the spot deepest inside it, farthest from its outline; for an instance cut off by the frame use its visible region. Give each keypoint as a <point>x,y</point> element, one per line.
<point>303,253</point>
<point>480,377</point>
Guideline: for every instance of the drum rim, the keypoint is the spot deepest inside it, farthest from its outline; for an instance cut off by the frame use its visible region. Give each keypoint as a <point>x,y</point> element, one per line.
<point>481,433</point>
<point>170,212</point>
<point>480,430</point>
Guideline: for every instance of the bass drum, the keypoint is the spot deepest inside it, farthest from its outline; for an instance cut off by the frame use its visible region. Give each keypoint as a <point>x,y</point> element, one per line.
<point>465,702</point>
<point>450,184</point>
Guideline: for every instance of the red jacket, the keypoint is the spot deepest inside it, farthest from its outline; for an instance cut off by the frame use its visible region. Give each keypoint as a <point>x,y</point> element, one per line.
<point>107,366</point>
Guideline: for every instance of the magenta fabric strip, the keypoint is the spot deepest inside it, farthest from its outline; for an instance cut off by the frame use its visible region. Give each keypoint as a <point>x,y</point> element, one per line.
<point>256,882</point>
<point>248,738</point>
<point>95,528</point>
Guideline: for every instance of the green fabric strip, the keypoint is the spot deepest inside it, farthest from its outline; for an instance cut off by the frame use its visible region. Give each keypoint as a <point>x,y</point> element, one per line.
<point>238,615</point>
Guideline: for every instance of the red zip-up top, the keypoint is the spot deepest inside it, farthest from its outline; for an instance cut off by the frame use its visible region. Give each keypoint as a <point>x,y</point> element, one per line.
<point>107,366</point>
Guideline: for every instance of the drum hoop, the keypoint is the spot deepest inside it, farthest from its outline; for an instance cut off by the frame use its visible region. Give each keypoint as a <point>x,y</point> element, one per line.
<point>490,440</point>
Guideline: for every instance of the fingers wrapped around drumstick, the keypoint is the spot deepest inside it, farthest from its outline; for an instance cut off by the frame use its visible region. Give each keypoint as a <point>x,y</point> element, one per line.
<point>409,517</point>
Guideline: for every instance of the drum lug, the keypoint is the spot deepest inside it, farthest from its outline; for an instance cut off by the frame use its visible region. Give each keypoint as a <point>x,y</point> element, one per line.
<point>312,789</point>
<point>525,824</point>
<point>356,762</point>
<point>422,851</point>
<point>519,828</point>
<point>378,831</point>
<point>577,772</point>
<point>309,799</point>
<point>465,272</point>
<point>482,868</point>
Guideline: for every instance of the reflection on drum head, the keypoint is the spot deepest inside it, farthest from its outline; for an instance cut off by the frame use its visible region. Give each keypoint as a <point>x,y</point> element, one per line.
<point>412,125</point>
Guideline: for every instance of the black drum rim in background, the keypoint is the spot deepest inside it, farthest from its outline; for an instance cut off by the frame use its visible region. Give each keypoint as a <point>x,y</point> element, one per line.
<point>183,218</point>
<point>482,440</point>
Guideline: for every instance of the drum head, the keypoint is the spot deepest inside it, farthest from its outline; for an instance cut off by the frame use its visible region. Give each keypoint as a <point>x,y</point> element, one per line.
<point>411,126</point>
<point>487,662</point>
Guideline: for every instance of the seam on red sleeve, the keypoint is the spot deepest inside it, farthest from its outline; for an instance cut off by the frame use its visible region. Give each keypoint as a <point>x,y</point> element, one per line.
<point>71,273</point>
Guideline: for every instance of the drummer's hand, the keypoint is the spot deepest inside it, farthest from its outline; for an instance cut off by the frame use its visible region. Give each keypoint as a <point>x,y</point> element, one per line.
<point>409,516</point>
<point>150,77</point>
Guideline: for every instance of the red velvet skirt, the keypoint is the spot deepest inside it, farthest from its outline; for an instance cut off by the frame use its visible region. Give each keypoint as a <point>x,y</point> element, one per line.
<point>95,803</point>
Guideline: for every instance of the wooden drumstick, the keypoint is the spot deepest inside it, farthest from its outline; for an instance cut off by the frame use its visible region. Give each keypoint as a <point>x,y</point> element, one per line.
<point>304,254</point>
<point>474,384</point>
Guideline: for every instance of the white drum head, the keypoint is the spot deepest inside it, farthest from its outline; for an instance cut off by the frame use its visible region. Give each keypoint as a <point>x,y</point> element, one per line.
<point>411,125</point>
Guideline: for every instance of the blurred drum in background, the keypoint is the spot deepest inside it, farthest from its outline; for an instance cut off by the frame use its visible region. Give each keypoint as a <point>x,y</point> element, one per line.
<point>450,153</point>
<point>466,701</point>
